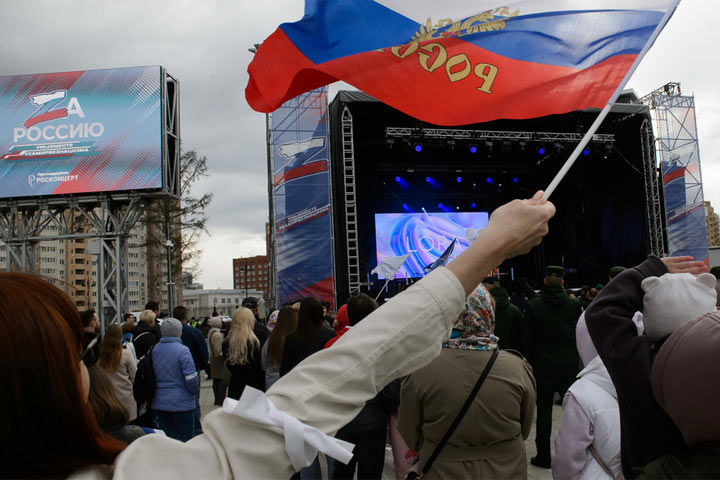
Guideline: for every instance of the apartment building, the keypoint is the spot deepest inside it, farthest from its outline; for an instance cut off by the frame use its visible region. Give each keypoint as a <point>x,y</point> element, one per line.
<point>712,224</point>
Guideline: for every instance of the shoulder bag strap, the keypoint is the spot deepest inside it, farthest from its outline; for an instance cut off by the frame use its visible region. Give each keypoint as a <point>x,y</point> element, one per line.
<point>461,414</point>
<point>603,465</point>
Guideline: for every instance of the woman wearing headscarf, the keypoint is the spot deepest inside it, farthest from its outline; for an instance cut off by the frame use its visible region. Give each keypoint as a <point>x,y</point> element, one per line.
<point>489,440</point>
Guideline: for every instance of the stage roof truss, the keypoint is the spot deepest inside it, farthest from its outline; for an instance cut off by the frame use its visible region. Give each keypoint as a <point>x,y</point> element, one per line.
<point>466,134</point>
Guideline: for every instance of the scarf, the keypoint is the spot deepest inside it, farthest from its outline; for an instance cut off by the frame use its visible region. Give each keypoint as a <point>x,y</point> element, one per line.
<point>473,328</point>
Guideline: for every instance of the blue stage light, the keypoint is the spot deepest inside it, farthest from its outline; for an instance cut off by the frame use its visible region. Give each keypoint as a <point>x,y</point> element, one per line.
<point>489,180</point>
<point>586,152</point>
<point>459,179</point>
<point>473,149</point>
<point>472,205</point>
<point>428,179</point>
<point>541,151</point>
<point>398,179</point>
<point>440,205</point>
<point>514,179</point>
<point>418,147</point>
<point>406,207</point>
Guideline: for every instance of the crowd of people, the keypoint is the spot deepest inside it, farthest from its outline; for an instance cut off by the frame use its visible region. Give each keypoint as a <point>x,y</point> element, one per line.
<point>452,372</point>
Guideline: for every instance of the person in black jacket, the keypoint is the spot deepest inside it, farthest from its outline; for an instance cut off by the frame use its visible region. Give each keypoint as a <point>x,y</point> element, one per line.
<point>91,331</point>
<point>309,337</point>
<point>548,338</point>
<point>648,432</point>
<point>145,333</point>
<point>368,430</point>
<point>242,351</point>
<point>260,330</point>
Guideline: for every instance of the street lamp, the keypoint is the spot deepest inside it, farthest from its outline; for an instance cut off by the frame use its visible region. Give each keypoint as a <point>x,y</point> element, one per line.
<point>170,284</point>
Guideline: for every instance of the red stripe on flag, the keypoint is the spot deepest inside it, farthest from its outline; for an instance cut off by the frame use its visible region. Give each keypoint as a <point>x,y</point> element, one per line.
<point>59,113</point>
<point>309,169</point>
<point>10,156</point>
<point>322,289</point>
<point>674,175</point>
<point>521,89</point>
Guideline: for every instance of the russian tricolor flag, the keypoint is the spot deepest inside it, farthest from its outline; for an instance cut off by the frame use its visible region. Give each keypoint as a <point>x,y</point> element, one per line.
<point>455,62</point>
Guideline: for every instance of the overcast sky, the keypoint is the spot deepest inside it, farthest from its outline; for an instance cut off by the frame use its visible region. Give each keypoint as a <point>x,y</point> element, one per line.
<point>205,45</point>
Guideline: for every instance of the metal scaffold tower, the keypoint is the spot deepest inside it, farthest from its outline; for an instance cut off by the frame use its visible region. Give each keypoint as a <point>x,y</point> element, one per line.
<point>679,155</point>
<point>351,232</point>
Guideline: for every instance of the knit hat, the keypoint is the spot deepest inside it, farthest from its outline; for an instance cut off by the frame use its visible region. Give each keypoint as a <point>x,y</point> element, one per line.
<point>685,380</point>
<point>342,320</point>
<point>171,327</point>
<point>676,298</point>
<point>215,322</point>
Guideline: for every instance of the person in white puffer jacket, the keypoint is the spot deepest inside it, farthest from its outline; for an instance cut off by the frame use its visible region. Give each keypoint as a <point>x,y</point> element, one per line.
<point>591,418</point>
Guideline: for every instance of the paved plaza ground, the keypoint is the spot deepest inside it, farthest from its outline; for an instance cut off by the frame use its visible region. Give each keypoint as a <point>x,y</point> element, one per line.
<point>534,473</point>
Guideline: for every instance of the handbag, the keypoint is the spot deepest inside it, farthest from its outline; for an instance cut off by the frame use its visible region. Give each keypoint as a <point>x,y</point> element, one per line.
<point>413,474</point>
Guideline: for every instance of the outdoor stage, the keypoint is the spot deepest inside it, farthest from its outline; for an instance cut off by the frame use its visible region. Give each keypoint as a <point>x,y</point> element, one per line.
<point>383,161</point>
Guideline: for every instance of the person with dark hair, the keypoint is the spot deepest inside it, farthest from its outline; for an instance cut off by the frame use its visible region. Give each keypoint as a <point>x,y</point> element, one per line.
<point>400,337</point>
<point>177,384</point>
<point>508,319</point>
<point>48,428</point>
<point>153,306</point>
<point>119,363</point>
<point>548,338</point>
<point>110,412</point>
<point>518,295</point>
<point>272,351</point>
<point>309,336</point>
<point>328,319</point>
<point>259,329</point>
<point>192,338</point>
<point>368,430</point>
<point>91,332</point>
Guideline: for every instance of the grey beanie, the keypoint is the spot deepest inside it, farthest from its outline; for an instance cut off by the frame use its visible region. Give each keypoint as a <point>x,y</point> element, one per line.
<point>171,327</point>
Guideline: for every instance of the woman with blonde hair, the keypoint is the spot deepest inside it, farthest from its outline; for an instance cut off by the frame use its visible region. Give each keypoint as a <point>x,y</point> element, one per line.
<point>119,363</point>
<point>242,350</point>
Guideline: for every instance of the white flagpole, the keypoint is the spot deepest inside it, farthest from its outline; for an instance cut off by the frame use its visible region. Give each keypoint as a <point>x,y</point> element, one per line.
<point>383,288</point>
<point>593,128</point>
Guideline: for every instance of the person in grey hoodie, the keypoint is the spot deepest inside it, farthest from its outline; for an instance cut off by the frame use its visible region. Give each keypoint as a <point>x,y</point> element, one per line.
<point>177,383</point>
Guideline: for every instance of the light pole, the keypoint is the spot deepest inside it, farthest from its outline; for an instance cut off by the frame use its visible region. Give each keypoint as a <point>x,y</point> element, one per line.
<point>170,284</point>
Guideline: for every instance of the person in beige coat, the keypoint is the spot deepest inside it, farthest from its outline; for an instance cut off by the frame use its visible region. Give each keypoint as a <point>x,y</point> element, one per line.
<point>489,441</point>
<point>217,362</point>
<point>316,399</point>
<point>120,365</point>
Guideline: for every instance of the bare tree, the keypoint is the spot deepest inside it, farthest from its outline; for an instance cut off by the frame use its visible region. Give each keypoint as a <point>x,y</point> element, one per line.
<point>182,221</point>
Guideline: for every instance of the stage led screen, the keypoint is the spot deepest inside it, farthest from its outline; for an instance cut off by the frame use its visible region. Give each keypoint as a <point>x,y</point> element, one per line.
<point>425,236</point>
<point>80,132</point>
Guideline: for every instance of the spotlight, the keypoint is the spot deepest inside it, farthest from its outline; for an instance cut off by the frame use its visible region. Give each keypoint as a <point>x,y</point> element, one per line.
<point>398,179</point>
<point>586,152</point>
<point>459,179</point>
<point>406,207</point>
<point>440,205</point>
<point>428,179</point>
<point>473,148</point>
<point>541,151</point>
<point>472,205</point>
<point>418,147</point>
<point>457,208</point>
<point>515,179</point>
<point>489,180</point>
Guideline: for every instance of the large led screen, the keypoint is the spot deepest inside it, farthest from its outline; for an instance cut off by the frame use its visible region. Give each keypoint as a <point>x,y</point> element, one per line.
<point>80,132</point>
<point>425,236</point>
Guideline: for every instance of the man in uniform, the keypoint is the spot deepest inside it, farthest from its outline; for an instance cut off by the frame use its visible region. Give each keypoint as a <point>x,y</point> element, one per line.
<point>548,339</point>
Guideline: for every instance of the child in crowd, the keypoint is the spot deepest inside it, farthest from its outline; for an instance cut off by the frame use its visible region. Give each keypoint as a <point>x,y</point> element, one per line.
<point>668,295</point>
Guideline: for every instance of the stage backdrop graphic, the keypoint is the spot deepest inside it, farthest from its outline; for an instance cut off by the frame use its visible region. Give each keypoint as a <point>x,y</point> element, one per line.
<point>301,192</point>
<point>425,236</point>
<point>80,132</point>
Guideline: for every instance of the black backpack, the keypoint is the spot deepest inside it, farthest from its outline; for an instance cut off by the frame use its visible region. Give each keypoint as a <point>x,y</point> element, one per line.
<point>144,385</point>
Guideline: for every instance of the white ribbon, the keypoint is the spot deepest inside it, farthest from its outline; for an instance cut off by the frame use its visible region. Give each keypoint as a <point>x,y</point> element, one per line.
<point>302,442</point>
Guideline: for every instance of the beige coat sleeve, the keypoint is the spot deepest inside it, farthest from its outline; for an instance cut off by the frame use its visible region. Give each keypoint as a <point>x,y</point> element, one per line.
<point>216,344</point>
<point>527,413</point>
<point>327,390</point>
<point>410,416</point>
